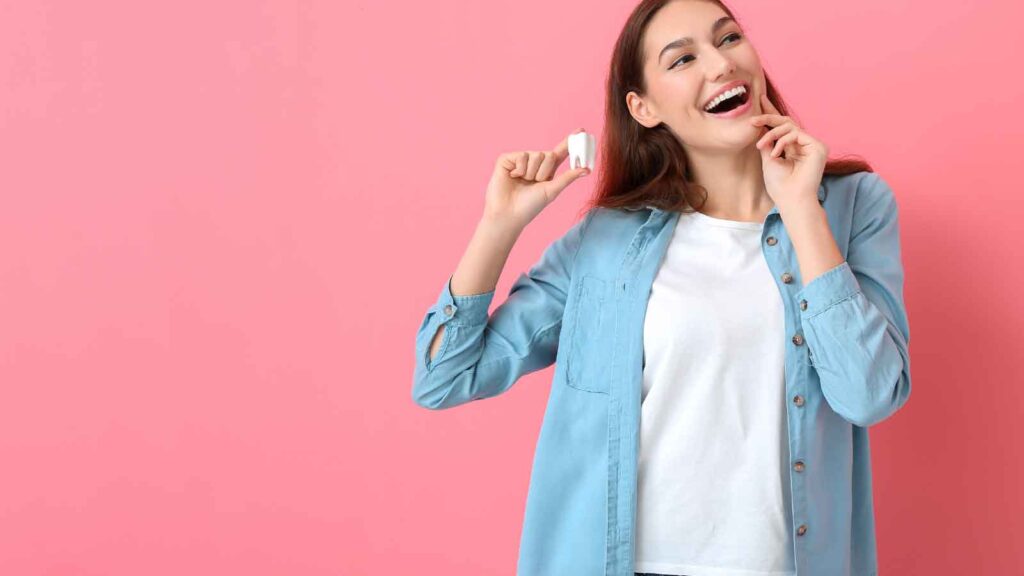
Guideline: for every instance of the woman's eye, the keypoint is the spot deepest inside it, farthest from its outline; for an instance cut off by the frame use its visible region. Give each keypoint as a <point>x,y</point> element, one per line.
<point>678,61</point>
<point>730,35</point>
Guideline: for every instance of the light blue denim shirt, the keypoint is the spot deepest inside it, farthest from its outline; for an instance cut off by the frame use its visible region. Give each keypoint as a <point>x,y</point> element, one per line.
<point>582,307</point>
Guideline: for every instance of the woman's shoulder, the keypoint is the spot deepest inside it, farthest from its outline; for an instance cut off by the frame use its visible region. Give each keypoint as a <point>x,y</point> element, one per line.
<point>607,222</point>
<point>860,183</point>
<point>862,192</point>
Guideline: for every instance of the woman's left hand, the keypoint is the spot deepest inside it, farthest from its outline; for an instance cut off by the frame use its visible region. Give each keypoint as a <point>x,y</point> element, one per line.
<point>794,179</point>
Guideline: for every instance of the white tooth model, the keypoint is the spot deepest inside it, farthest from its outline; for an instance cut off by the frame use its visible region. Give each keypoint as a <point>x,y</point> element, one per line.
<point>582,150</point>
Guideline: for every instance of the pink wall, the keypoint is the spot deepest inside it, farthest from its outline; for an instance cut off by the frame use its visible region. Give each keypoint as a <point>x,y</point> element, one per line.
<point>222,223</point>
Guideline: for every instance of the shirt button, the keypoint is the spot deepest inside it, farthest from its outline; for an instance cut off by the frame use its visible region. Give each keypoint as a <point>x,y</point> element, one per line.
<point>787,277</point>
<point>801,530</point>
<point>771,240</point>
<point>448,310</point>
<point>798,339</point>
<point>799,466</point>
<point>803,304</point>
<point>798,400</point>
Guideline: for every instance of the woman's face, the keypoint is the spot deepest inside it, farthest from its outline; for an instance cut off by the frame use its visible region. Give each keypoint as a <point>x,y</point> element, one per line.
<point>684,77</point>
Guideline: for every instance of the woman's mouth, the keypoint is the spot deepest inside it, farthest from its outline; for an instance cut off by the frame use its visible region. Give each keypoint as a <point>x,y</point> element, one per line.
<point>732,107</point>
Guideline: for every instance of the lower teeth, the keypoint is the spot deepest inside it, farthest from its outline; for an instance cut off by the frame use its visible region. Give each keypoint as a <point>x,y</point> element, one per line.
<point>741,103</point>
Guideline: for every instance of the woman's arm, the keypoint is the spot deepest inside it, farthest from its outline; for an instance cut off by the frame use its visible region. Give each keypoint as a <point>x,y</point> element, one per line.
<point>464,354</point>
<point>481,265</point>
<point>854,318</point>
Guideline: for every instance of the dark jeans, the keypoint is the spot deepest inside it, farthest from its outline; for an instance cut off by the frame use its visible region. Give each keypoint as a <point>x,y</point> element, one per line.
<point>648,574</point>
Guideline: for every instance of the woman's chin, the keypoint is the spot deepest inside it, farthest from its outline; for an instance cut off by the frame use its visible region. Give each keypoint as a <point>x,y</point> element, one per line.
<point>741,139</point>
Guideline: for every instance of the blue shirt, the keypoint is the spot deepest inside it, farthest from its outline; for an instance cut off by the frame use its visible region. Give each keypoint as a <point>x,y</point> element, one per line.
<point>582,307</point>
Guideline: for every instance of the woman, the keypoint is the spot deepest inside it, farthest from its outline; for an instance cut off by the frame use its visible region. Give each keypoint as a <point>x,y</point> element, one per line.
<point>682,434</point>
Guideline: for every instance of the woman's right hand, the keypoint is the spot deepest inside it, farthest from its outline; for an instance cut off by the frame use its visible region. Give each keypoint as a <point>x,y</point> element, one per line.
<point>523,184</point>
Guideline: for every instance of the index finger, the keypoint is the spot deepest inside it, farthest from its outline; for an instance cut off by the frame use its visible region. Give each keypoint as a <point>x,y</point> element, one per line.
<point>770,119</point>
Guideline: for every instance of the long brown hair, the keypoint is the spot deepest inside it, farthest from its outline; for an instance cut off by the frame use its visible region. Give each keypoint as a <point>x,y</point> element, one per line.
<point>647,166</point>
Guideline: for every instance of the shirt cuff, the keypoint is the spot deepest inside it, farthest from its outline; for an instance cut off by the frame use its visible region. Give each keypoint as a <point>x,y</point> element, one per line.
<point>462,310</point>
<point>827,290</point>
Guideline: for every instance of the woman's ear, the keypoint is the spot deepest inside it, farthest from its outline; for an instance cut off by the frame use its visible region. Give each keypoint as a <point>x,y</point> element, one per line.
<point>641,111</point>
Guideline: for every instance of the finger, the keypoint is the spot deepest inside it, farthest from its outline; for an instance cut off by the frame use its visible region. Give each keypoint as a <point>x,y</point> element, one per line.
<point>506,162</point>
<point>533,164</point>
<point>547,167</point>
<point>796,147</point>
<point>769,119</point>
<point>505,165</point>
<point>775,133</point>
<point>803,143</point>
<point>520,160</point>
<point>784,143</point>
<point>565,178</point>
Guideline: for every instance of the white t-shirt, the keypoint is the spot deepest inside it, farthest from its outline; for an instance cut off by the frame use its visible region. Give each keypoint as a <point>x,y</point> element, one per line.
<point>713,495</point>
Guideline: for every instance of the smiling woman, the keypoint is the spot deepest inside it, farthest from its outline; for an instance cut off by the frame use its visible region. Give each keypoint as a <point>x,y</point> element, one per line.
<point>672,61</point>
<point>716,370</point>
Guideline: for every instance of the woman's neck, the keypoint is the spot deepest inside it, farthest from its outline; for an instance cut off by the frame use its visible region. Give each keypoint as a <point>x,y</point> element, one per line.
<point>734,183</point>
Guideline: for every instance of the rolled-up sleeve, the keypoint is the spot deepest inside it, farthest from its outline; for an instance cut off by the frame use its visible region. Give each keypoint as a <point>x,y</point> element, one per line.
<point>482,355</point>
<point>854,318</point>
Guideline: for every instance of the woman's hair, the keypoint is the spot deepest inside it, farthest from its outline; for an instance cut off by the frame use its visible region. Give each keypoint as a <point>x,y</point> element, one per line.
<point>647,166</point>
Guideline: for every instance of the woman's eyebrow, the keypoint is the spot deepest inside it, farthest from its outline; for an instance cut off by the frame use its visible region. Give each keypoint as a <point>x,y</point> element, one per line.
<point>687,41</point>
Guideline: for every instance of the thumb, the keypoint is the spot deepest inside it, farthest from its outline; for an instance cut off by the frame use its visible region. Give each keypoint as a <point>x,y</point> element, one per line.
<point>558,183</point>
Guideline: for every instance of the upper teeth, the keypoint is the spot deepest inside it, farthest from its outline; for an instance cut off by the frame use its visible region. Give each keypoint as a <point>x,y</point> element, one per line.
<point>727,94</point>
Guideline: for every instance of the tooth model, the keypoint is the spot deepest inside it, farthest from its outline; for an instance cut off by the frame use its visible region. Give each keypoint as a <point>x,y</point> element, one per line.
<point>582,150</point>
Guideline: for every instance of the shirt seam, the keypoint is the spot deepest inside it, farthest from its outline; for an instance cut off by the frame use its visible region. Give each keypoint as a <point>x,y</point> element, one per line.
<point>834,304</point>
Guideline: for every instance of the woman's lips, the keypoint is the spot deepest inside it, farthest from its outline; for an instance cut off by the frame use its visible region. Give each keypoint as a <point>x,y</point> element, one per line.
<point>737,111</point>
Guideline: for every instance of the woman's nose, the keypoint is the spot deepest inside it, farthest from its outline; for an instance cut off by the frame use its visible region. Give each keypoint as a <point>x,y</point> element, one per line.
<point>722,66</point>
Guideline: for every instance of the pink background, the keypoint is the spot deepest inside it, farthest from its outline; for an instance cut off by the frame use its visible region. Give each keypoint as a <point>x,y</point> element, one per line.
<point>222,224</point>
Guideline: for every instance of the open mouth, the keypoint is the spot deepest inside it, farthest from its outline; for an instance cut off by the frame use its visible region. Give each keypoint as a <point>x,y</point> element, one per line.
<point>731,103</point>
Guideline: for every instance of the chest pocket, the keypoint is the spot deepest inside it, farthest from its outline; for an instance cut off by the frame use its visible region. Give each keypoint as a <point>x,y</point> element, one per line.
<point>588,336</point>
